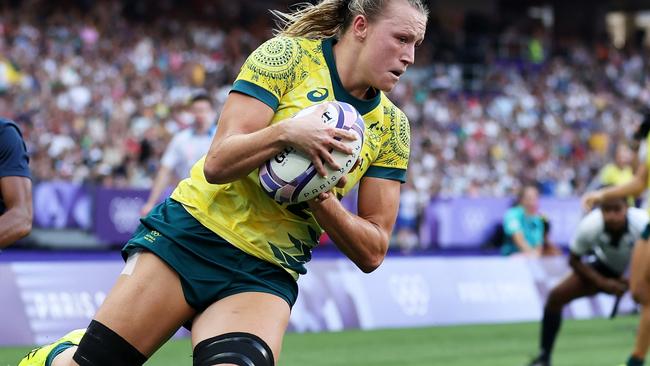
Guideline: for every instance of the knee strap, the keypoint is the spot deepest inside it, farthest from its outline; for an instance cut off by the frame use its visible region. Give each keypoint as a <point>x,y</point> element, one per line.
<point>101,346</point>
<point>242,349</point>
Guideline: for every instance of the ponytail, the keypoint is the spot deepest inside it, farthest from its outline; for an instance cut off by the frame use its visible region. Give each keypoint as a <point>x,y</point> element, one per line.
<point>329,18</point>
<point>323,20</point>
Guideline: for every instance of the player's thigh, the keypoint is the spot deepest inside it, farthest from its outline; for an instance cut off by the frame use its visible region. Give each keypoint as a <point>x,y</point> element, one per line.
<point>262,314</point>
<point>569,289</point>
<point>146,306</point>
<point>640,270</point>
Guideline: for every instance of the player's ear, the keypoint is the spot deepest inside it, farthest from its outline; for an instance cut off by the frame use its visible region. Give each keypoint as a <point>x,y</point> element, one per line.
<point>360,27</point>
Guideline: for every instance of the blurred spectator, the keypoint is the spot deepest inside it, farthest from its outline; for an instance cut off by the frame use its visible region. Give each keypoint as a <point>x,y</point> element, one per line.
<point>185,149</point>
<point>523,226</point>
<point>15,185</point>
<point>100,96</point>
<point>406,227</point>
<point>101,92</point>
<point>620,171</point>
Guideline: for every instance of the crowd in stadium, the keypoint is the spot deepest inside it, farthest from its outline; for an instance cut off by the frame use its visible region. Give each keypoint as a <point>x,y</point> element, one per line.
<point>99,97</point>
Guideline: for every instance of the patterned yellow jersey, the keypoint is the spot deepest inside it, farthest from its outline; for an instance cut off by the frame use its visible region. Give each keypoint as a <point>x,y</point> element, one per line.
<point>289,74</point>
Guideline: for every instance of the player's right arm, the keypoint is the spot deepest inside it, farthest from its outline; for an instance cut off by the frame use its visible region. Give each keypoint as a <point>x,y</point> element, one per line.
<point>634,188</point>
<point>244,139</point>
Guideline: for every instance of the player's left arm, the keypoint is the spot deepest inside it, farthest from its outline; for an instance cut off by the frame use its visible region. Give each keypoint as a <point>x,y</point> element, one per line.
<point>363,238</point>
<point>16,221</point>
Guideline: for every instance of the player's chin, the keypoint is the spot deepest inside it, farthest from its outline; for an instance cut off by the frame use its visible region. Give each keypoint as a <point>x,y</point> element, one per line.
<point>387,85</point>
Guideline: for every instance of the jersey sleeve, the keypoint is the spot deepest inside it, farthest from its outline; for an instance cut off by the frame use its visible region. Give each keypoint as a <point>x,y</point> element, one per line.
<point>271,71</point>
<point>395,149</point>
<point>512,222</point>
<point>14,160</point>
<point>584,239</point>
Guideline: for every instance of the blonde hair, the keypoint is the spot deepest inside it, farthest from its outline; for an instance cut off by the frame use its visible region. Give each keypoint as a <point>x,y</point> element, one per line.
<point>330,18</point>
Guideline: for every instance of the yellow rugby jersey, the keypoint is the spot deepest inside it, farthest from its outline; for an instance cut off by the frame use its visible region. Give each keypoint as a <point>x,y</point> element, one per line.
<point>612,175</point>
<point>289,74</point>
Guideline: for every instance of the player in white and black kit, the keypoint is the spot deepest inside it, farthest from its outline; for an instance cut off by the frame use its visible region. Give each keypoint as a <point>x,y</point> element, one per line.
<point>600,254</point>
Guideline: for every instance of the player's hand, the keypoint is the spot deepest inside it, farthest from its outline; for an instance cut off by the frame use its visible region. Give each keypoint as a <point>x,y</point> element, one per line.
<point>329,194</point>
<point>590,199</point>
<point>613,286</point>
<point>340,184</point>
<point>532,253</point>
<point>316,139</point>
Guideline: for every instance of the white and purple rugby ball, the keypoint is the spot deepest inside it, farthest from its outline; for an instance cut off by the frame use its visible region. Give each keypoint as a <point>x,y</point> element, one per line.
<point>290,176</point>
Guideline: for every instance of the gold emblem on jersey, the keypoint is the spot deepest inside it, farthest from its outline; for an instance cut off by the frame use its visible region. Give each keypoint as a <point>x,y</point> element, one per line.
<point>277,59</point>
<point>400,133</point>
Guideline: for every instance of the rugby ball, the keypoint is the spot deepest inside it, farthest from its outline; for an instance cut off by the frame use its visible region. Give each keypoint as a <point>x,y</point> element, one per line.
<point>290,176</point>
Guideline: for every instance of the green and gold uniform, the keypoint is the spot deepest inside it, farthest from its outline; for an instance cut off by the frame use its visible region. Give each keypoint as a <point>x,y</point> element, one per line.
<point>289,74</point>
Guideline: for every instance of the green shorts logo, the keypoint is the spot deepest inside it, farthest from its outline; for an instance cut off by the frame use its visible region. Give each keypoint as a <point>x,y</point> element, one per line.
<point>318,94</point>
<point>151,236</point>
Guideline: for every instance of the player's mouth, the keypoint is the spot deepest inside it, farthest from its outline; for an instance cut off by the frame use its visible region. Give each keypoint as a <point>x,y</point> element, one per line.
<point>397,73</point>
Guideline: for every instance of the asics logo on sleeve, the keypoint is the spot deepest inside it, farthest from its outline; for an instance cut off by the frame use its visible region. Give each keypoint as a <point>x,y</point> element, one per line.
<point>318,95</point>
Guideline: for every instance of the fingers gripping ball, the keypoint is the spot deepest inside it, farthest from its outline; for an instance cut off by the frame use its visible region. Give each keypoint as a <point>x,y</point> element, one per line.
<point>290,176</point>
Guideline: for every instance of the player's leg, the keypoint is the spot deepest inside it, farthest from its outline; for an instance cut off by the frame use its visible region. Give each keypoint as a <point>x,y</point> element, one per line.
<point>140,313</point>
<point>143,309</point>
<point>640,289</point>
<point>571,288</point>
<point>242,329</point>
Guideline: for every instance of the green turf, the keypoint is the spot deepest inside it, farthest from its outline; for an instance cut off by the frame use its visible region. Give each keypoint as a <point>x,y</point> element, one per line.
<point>581,343</point>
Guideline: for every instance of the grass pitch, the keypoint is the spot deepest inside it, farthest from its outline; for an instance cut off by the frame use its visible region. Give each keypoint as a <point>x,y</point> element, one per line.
<point>581,343</point>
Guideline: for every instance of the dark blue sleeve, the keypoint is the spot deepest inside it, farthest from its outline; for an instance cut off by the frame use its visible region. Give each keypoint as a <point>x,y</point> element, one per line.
<point>13,153</point>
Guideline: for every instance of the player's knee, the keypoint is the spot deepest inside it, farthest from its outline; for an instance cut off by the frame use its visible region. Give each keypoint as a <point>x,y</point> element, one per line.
<point>243,349</point>
<point>101,346</point>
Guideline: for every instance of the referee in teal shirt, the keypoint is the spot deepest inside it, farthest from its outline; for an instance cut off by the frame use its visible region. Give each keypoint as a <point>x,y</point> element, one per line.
<point>523,226</point>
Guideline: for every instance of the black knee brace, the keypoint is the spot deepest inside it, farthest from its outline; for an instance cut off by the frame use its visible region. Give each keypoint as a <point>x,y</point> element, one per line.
<point>243,349</point>
<point>101,346</point>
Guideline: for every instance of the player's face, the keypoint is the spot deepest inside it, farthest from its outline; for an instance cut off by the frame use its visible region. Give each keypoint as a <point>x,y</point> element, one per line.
<point>202,112</point>
<point>614,214</point>
<point>390,45</point>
